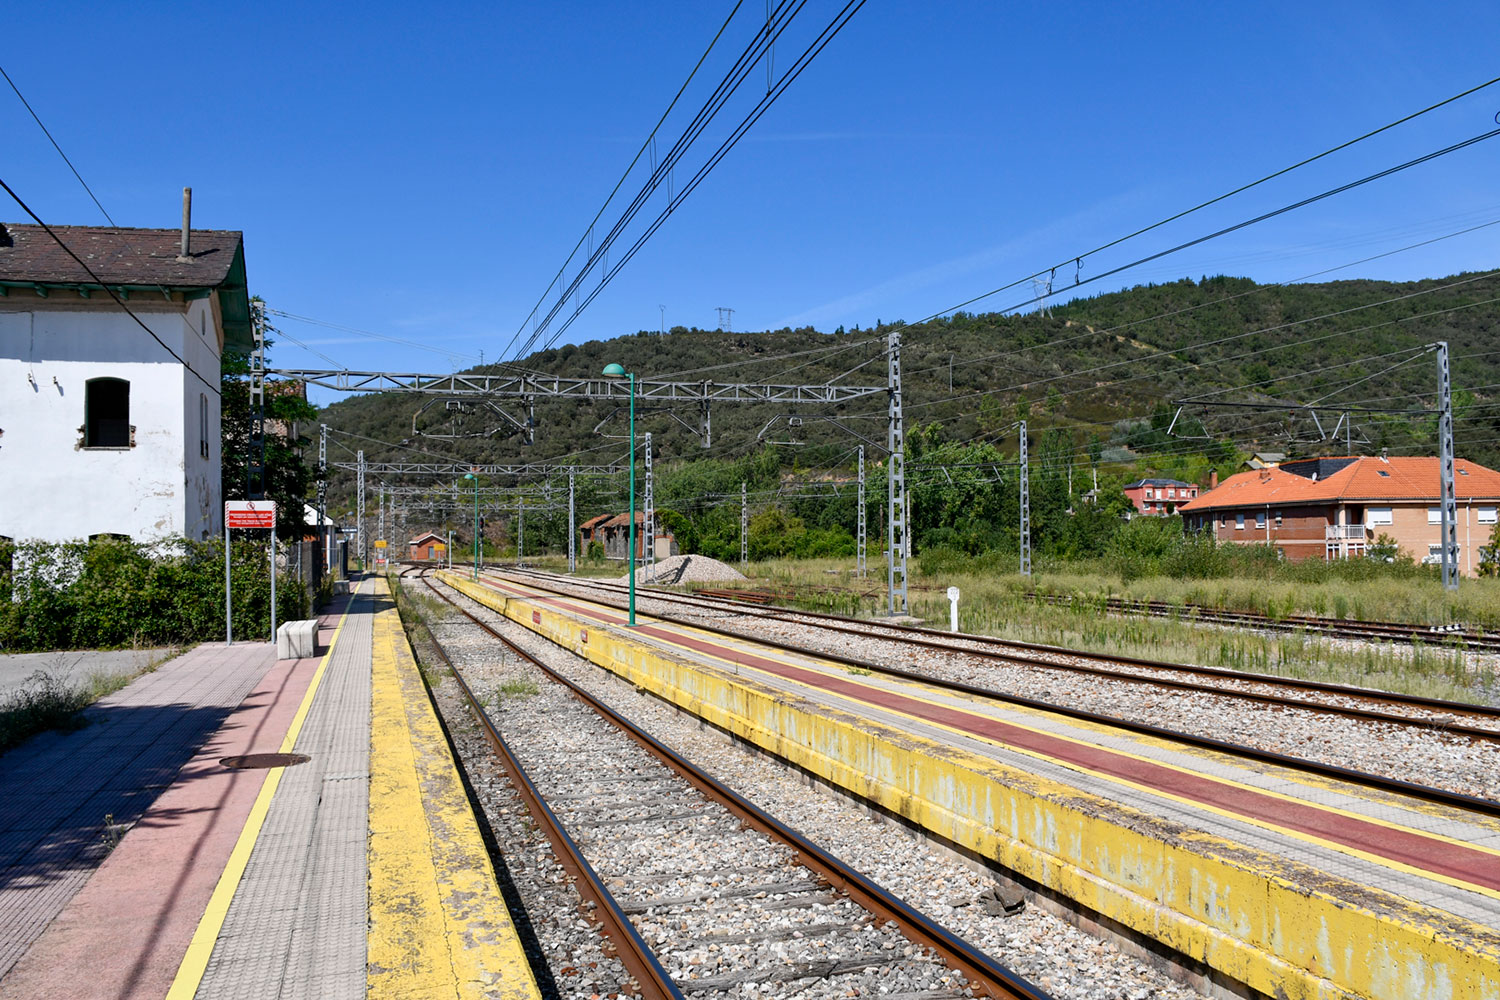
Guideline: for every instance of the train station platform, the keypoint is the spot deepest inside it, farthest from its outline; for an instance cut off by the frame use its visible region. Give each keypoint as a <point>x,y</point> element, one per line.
<point>1263,876</point>
<point>152,853</point>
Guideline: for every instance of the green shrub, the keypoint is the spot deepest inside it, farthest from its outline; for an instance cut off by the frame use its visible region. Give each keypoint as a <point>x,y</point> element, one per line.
<point>89,595</point>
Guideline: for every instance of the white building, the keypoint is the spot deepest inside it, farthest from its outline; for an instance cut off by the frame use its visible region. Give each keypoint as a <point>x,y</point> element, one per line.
<point>102,430</point>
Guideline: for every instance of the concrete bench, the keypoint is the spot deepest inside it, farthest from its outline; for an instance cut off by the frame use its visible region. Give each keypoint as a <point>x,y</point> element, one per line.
<point>296,639</point>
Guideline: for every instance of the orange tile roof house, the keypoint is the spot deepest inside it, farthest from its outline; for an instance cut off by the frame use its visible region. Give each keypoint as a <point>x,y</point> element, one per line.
<point>1335,508</point>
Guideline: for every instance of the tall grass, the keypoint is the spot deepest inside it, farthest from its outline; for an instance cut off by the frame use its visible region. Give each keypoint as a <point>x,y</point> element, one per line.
<point>998,604</point>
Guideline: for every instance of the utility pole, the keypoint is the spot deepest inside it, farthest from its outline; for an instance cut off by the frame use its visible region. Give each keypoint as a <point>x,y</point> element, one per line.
<point>380,491</point>
<point>860,537</point>
<point>255,485</point>
<point>663,318</point>
<point>895,480</point>
<point>572,529</point>
<point>324,536</point>
<point>1025,507</point>
<point>650,521</point>
<point>726,319</point>
<point>744,529</point>
<point>1445,470</point>
<point>520,527</point>
<point>359,522</point>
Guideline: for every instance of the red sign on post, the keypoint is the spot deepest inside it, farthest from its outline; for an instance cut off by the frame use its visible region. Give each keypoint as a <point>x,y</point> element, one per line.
<point>249,513</point>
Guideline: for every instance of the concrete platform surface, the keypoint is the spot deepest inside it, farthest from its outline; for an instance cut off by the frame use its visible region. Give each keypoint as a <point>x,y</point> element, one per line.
<point>1271,876</point>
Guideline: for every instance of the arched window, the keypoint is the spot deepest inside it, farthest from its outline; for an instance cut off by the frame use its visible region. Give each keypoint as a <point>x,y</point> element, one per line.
<point>203,424</point>
<point>106,413</point>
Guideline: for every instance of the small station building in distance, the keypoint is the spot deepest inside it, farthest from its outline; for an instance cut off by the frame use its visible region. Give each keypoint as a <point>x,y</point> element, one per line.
<point>1336,508</point>
<point>102,430</point>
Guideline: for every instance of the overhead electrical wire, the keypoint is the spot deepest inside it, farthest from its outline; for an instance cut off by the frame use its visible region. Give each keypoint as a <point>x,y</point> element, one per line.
<point>1078,258</point>
<point>48,133</point>
<point>1205,304</point>
<point>777,20</point>
<point>1321,196</point>
<point>108,290</point>
<point>620,183</point>
<point>764,104</point>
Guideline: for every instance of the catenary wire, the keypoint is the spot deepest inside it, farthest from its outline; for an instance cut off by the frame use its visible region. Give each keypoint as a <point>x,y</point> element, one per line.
<point>619,183</point>
<point>110,291</point>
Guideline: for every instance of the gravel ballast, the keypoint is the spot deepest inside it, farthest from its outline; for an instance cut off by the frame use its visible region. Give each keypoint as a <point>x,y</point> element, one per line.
<point>1040,946</point>
<point>1431,756</point>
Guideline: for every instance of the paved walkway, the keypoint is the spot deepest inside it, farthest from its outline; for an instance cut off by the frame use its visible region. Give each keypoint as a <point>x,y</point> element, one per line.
<point>147,763</point>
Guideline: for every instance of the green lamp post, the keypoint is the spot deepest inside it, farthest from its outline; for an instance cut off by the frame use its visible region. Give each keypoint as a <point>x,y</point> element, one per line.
<point>470,475</point>
<point>616,371</point>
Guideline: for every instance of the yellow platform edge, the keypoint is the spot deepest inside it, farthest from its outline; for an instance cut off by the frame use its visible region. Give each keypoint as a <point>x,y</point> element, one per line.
<point>439,926</point>
<point>1229,906</point>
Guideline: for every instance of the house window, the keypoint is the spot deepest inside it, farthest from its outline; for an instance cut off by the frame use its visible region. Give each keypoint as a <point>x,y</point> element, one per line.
<point>1435,553</point>
<point>1223,520</point>
<point>1487,515</point>
<point>1434,515</point>
<point>1378,515</point>
<point>1149,495</point>
<point>1239,522</point>
<point>203,424</point>
<point>106,413</point>
<point>1172,492</point>
<point>1260,519</point>
<point>1278,519</point>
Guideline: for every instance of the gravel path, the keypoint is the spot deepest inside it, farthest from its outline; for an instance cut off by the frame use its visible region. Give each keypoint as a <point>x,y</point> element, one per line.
<point>1042,947</point>
<point>1440,759</point>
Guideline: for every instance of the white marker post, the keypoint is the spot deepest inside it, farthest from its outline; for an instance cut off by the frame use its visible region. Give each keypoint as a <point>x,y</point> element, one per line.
<point>953,609</point>
<point>246,514</point>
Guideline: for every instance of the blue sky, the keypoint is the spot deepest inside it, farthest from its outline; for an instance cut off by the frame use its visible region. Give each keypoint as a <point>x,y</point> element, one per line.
<point>424,175</point>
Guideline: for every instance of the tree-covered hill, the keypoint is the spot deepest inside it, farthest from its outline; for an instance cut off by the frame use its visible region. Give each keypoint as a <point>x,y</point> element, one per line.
<point>1099,370</point>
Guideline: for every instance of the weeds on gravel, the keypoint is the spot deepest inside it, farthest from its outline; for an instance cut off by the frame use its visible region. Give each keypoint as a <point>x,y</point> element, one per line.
<point>417,610</point>
<point>998,605</point>
<point>46,701</point>
<point>515,688</point>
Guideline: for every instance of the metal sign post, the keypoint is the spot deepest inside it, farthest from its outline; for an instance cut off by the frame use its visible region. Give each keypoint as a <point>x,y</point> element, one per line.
<point>247,514</point>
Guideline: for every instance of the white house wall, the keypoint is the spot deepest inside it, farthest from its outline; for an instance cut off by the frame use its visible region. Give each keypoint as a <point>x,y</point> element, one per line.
<point>53,488</point>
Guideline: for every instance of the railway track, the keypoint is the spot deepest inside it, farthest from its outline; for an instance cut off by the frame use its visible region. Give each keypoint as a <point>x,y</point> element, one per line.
<point>1487,737</point>
<point>1476,722</point>
<point>1473,640</point>
<point>780,910</point>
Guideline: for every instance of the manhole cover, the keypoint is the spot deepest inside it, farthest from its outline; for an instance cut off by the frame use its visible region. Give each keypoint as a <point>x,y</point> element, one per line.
<point>266,760</point>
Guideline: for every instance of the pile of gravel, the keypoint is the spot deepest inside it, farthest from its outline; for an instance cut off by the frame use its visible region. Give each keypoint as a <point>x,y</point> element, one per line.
<point>685,569</point>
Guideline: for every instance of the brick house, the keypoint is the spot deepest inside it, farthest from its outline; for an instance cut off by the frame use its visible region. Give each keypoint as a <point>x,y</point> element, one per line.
<point>590,531</point>
<point>428,545</point>
<point>1335,508</point>
<point>1159,497</point>
<point>614,532</point>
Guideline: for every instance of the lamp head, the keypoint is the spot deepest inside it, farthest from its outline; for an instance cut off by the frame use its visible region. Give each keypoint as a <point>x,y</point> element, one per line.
<point>614,371</point>
<point>468,475</point>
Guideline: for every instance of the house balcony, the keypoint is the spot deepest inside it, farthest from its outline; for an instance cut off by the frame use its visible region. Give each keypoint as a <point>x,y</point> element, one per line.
<point>1345,533</point>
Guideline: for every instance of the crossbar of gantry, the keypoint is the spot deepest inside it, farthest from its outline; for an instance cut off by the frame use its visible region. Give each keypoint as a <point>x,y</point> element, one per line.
<point>557,387</point>
<point>460,468</point>
<point>533,387</point>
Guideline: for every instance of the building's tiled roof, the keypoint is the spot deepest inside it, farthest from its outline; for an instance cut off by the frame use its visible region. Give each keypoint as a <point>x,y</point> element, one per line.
<point>1157,482</point>
<point>429,536</point>
<point>591,522</point>
<point>117,256</point>
<point>623,520</point>
<point>1363,479</point>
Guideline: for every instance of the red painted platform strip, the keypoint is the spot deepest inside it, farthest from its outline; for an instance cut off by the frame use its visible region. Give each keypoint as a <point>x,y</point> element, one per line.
<point>125,932</point>
<point>1413,848</point>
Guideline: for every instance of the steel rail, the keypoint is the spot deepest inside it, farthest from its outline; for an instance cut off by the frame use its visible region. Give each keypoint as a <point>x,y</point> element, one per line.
<point>944,642</point>
<point>982,972</point>
<point>1411,789</point>
<point>651,980</point>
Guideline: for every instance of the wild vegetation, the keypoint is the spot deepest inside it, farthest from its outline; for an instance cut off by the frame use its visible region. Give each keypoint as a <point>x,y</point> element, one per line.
<point>111,593</point>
